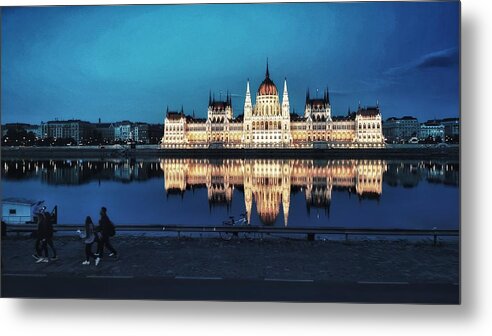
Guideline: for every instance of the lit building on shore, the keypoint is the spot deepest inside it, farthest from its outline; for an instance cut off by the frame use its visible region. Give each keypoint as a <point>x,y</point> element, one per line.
<point>432,129</point>
<point>269,123</point>
<point>67,129</point>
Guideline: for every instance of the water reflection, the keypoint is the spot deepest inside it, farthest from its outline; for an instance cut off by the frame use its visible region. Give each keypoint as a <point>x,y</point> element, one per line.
<point>269,183</point>
<point>267,186</point>
<point>77,172</point>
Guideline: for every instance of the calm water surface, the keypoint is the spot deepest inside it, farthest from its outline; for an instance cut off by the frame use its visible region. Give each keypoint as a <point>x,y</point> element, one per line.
<point>294,193</point>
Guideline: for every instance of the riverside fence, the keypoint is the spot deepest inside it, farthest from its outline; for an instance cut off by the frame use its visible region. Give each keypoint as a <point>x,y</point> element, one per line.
<point>309,232</point>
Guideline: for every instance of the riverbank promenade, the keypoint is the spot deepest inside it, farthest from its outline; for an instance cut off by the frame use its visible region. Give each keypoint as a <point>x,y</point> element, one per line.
<point>239,269</point>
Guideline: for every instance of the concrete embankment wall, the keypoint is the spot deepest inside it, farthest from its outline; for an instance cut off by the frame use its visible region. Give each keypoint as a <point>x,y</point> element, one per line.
<point>97,153</point>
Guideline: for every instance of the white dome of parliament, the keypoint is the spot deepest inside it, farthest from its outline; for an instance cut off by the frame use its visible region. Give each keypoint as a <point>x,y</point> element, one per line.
<point>271,124</point>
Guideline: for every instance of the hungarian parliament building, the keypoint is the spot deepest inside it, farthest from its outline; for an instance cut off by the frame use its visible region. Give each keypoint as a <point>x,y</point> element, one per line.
<point>270,124</point>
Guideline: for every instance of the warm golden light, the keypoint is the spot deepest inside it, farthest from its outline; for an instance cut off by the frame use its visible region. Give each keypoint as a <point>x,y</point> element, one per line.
<point>268,183</point>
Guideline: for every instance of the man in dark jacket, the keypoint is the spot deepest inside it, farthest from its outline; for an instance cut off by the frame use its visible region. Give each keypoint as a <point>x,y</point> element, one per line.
<point>44,238</point>
<point>105,230</point>
<point>49,236</point>
<point>41,234</point>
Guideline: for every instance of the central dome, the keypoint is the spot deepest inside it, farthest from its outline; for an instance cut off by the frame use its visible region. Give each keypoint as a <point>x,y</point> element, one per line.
<point>267,87</point>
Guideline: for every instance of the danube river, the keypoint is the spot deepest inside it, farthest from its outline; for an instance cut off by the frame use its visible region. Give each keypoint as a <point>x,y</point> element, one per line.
<point>413,194</point>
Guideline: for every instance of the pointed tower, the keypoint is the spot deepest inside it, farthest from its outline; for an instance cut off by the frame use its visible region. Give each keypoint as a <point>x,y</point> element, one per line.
<point>307,107</point>
<point>285,101</point>
<point>247,123</point>
<point>248,106</point>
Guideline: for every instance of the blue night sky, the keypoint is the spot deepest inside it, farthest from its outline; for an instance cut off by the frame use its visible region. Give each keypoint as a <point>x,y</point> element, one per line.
<point>130,62</point>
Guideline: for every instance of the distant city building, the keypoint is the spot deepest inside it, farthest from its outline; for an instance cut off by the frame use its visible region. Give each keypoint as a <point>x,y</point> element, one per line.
<point>433,129</point>
<point>123,131</point>
<point>105,131</point>
<point>65,129</point>
<point>126,130</point>
<point>451,126</point>
<point>401,129</point>
<point>141,132</point>
<point>269,124</point>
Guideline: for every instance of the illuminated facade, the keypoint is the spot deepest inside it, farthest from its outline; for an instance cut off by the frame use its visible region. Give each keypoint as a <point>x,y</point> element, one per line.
<point>269,123</point>
<point>268,183</point>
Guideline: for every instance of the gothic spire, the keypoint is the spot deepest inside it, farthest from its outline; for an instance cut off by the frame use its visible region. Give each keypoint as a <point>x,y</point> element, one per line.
<point>267,75</point>
<point>328,94</point>
<point>247,101</point>
<point>307,95</point>
<point>285,98</point>
<point>210,98</point>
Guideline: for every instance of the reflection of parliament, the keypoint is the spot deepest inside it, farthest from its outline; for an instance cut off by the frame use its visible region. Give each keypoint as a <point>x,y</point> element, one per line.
<point>270,124</point>
<point>269,183</point>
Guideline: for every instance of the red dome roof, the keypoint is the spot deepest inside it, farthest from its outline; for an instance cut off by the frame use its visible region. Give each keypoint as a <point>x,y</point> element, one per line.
<point>267,87</point>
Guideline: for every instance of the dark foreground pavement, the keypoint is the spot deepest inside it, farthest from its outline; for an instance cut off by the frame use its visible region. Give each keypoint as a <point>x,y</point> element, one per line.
<point>259,270</point>
<point>226,290</point>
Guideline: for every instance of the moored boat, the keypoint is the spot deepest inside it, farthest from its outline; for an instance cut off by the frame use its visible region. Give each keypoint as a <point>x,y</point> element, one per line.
<point>17,211</point>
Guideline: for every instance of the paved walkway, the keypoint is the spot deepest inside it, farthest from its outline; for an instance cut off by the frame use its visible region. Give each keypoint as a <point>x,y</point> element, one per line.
<point>274,259</point>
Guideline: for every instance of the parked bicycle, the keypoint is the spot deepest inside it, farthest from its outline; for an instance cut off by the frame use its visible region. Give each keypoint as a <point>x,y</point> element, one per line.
<point>242,221</point>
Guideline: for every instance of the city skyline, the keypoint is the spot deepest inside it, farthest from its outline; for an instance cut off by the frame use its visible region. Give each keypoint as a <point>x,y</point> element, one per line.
<point>131,62</point>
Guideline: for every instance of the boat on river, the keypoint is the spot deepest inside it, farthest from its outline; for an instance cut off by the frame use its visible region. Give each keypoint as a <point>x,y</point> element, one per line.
<point>18,211</point>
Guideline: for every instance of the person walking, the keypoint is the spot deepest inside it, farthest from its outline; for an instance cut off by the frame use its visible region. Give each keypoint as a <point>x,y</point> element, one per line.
<point>41,235</point>
<point>105,230</point>
<point>48,241</point>
<point>89,238</point>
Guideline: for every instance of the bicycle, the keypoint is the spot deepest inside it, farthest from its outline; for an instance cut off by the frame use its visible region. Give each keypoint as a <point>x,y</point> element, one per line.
<point>242,221</point>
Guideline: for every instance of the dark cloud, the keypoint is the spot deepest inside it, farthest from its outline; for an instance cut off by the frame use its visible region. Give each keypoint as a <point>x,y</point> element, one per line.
<point>438,59</point>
